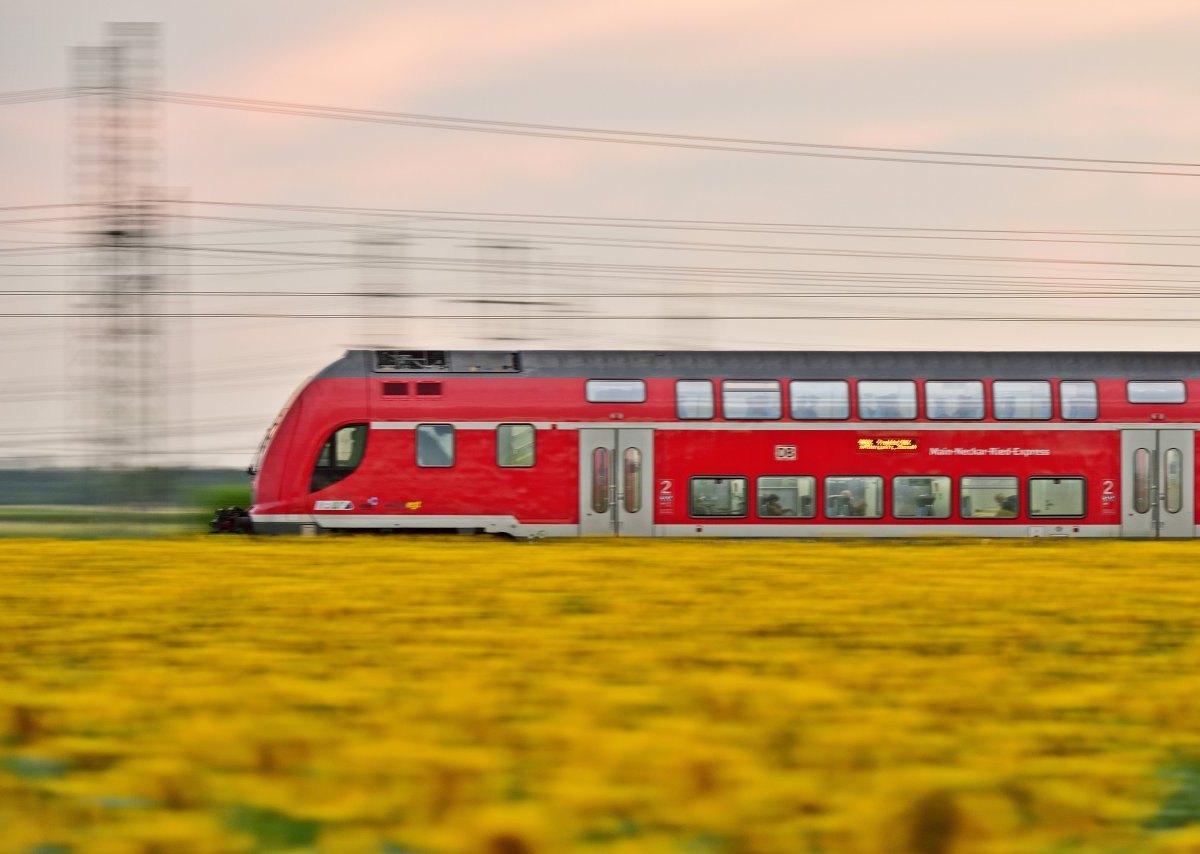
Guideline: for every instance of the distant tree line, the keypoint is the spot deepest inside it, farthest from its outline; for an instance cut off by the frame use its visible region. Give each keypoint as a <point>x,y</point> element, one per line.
<point>163,487</point>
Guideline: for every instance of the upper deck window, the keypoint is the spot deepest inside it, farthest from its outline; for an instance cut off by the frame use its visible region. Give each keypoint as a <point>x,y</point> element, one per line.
<point>886,399</point>
<point>747,399</point>
<point>954,401</point>
<point>516,445</point>
<point>819,400</point>
<point>694,399</point>
<point>1079,400</point>
<point>435,445</point>
<point>1158,391</point>
<point>616,391</point>
<point>1021,400</point>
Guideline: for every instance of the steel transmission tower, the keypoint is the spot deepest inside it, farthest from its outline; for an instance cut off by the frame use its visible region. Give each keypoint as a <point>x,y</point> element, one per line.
<point>383,300</point>
<point>117,161</point>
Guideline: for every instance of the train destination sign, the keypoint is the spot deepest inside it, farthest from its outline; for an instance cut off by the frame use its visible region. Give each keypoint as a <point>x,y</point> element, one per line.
<point>887,444</point>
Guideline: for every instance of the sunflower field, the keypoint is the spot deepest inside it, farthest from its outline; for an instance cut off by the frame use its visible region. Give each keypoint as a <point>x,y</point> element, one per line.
<point>415,696</point>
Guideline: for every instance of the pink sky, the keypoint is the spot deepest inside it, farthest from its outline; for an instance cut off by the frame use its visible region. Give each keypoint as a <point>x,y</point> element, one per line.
<point>1078,79</point>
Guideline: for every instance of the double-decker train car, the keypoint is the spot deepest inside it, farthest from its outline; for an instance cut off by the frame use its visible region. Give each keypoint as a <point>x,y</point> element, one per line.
<point>737,444</point>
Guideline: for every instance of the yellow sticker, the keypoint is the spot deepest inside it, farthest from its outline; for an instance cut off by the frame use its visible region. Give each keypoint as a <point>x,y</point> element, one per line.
<point>412,505</point>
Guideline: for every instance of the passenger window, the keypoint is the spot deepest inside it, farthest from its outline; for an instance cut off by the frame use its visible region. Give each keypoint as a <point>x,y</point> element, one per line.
<point>341,454</point>
<point>718,496</point>
<point>954,401</point>
<point>1167,391</point>
<point>1056,496</point>
<point>1173,480</point>
<point>814,400</point>
<point>746,399</point>
<point>1021,401</point>
<point>435,445</point>
<point>887,399</point>
<point>601,479</point>
<point>989,497</point>
<point>632,480</point>
<point>921,497</point>
<point>515,445</point>
<point>787,496</point>
<point>1141,480</point>
<point>854,496</point>
<point>1079,400</point>
<point>694,399</point>
<point>616,391</point>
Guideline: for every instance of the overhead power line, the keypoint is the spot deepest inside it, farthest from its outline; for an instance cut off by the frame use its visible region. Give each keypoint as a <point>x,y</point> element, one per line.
<point>415,228</point>
<point>43,206</point>
<point>635,222</point>
<point>808,251</point>
<point>30,95</point>
<point>657,139</point>
<point>740,226</point>
<point>524,298</point>
<point>661,139</point>
<point>605,318</point>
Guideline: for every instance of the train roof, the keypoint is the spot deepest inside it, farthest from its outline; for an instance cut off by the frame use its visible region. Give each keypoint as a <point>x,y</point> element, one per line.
<point>741,364</point>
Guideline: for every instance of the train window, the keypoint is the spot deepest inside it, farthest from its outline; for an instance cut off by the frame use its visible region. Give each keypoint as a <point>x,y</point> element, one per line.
<point>1141,480</point>
<point>718,496</point>
<point>601,479</point>
<point>749,399</point>
<point>616,391</point>
<point>632,474</point>
<point>1056,496</point>
<point>954,401</point>
<point>787,496</point>
<point>989,497</point>
<point>816,400</point>
<point>921,497</point>
<point>1166,391</point>
<point>1173,480</point>
<point>694,399</point>
<point>339,456</point>
<point>885,399</point>
<point>515,445</point>
<point>1021,400</point>
<point>854,496</point>
<point>435,445</point>
<point>1078,400</point>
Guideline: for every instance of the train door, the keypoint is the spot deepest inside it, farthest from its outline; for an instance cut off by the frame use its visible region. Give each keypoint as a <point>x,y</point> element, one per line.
<point>616,469</point>
<point>1157,483</point>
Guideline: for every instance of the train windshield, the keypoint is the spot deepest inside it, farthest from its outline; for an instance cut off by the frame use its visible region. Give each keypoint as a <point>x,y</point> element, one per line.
<point>256,463</point>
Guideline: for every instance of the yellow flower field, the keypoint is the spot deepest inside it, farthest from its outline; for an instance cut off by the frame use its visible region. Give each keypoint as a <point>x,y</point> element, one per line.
<point>397,695</point>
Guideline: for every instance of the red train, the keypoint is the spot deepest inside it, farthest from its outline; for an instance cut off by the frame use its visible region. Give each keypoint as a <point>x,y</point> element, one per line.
<point>745,444</point>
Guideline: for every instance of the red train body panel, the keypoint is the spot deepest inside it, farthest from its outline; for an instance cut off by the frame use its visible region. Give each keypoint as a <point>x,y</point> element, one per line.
<point>738,444</point>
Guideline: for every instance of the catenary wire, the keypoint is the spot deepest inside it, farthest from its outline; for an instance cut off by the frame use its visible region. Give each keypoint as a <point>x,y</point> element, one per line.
<point>679,141</point>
